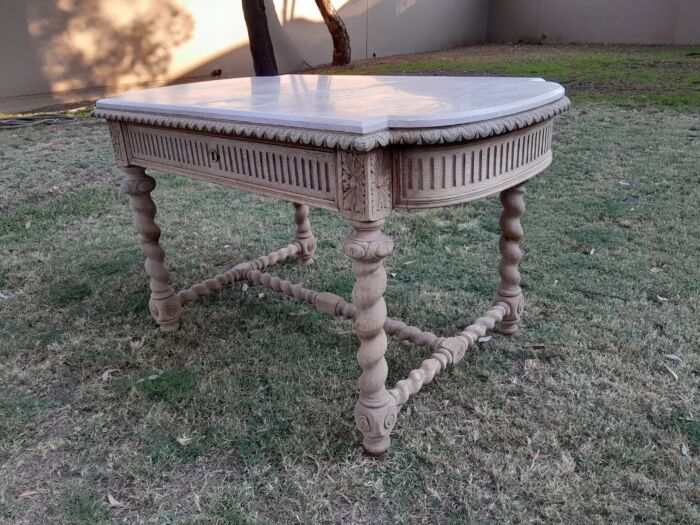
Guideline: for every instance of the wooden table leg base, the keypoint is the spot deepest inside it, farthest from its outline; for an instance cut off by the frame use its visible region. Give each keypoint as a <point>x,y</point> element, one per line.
<point>375,416</point>
<point>447,350</point>
<point>509,290</point>
<point>376,419</point>
<point>163,305</point>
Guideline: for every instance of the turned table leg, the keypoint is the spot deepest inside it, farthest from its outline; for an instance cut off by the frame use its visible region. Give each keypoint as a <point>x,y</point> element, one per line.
<point>304,237</point>
<point>376,409</point>
<point>164,305</point>
<point>509,290</point>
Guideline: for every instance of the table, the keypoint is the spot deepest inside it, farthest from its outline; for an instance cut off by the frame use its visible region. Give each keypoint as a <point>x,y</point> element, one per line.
<point>359,146</point>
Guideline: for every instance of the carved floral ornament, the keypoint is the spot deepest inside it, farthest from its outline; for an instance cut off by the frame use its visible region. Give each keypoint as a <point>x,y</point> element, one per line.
<point>380,175</point>
<point>345,141</point>
<point>365,183</point>
<point>353,182</point>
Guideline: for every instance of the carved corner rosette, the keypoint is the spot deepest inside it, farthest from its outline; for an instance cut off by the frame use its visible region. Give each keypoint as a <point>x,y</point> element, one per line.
<point>365,184</point>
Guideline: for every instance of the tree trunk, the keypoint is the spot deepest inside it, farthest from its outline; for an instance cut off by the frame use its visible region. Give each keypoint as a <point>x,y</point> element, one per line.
<point>259,37</point>
<point>339,34</point>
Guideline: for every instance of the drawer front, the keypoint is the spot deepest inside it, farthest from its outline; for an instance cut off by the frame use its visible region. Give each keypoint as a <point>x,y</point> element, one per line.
<point>264,168</point>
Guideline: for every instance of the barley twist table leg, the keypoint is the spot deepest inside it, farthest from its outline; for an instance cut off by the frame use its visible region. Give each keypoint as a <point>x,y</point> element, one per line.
<point>164,305</point>
<point>376,409</point>
<point>509,290</point>
<point>304,237</point>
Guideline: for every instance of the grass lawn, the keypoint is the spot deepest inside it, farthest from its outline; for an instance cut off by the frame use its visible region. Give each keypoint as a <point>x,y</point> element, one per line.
<point>245,414</point>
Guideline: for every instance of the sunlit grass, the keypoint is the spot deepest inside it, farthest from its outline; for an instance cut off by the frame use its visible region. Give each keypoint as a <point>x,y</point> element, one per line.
<point>633,76</point>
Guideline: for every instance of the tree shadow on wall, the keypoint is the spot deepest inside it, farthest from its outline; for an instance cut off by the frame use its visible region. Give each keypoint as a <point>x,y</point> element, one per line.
<point>94,44</point>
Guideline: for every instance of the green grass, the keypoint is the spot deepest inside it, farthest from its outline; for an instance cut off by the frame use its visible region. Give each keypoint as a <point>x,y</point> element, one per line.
<point>244,415</point>
<point>171,386</point>
<point>79,507</point>
<point>629,76</point>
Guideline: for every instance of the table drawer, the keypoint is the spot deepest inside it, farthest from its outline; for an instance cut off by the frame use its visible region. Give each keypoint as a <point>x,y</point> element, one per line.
<point>270,169</point>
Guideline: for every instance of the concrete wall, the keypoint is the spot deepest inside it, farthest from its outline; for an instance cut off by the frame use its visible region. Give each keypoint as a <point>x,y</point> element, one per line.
<point>57,51</point>
<point>596,21</point>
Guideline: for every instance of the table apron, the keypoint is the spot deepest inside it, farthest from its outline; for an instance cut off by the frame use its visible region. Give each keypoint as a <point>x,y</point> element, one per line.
<point>434,176</point>
<point>359,185</point>
<point>295,174</point>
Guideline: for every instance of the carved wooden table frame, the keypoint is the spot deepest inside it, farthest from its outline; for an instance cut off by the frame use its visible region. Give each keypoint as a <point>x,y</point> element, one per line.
<point>362,177</point>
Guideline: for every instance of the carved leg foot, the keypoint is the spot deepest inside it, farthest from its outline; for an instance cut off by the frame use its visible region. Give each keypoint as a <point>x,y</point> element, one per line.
<point>304,238</point>
<point>164,305</point>
<point>509,290</point>
<point>376,408</point>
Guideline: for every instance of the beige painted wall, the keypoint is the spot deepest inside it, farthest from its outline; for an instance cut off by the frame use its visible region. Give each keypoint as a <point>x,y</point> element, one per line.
<point>596,21</point>
<point>55,51</point>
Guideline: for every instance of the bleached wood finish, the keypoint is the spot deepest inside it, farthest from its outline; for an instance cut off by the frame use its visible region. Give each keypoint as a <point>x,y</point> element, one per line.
<point>362,177</point>
<point>509,290</point>
<point>451,352</point>
<point>428,177</point>
<point>304,238</point>
<point>274,170</point>
<point>376,410</point>
<point>164,305</point>
<point>236,274</point>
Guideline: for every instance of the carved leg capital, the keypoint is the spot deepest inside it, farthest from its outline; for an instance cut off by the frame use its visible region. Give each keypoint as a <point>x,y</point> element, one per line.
<point>165,306</point>
<point>376,409</point>
<point>509,291</point>
<point>304,237</point>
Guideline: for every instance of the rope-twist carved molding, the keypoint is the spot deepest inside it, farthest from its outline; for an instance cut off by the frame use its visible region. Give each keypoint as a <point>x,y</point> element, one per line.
<point>415,335</point>
<point>509,290</point>
<point>446,351</point>
<point>451,352</point>
<point>376,410</point>
<point>164,306</point>
<point>344,141</point>
<point>288,288</point>
<point>214,284</point>
<point>235,274</point>
<point>335,305</point>
<point>303,246</point>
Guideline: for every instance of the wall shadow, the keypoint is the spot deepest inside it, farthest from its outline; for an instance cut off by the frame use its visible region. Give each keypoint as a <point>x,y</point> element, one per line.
<point>69,50</point>
<point>83,45</point>
<point>90,45</point>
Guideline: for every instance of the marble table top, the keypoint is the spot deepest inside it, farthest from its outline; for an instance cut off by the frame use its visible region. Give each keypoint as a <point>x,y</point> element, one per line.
<point>354,104</point>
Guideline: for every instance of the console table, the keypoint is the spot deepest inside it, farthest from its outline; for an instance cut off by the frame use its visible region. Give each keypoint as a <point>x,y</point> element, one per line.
<point>360,146</point>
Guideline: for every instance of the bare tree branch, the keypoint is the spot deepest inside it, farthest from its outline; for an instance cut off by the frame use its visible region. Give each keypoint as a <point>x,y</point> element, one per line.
<point>339,33</point>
